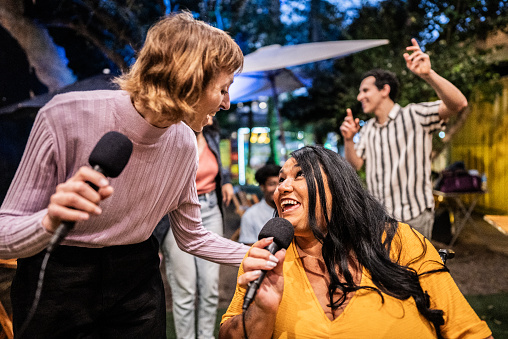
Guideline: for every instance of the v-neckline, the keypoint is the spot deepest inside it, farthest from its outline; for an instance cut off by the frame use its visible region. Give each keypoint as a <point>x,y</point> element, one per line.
<point>299,262</point>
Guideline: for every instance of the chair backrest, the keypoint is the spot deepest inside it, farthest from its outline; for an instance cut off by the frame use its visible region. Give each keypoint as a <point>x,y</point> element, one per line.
<point>5,318</point>
<point>243,200</point>
<point>446,254</point>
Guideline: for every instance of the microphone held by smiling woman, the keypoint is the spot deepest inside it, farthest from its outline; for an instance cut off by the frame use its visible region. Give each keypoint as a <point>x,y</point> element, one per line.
<point>104,280</point>
<point>351,271</point>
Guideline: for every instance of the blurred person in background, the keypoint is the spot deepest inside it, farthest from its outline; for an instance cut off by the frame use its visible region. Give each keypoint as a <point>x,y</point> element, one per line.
<point>189,276</point>
<point>256,216</point>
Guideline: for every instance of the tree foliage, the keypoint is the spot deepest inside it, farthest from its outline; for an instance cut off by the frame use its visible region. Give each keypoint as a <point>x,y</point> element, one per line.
<point>448,31</point>
<point>98,34</point>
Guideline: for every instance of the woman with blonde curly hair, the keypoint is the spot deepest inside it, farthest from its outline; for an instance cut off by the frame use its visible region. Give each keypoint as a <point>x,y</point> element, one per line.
<point>104,279</point>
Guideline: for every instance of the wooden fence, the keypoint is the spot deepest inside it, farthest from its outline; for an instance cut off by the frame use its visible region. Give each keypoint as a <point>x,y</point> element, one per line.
<point>482,143</point>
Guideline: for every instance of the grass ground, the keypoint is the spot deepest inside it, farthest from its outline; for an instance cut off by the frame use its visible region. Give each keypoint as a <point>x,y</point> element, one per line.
<point>492,308</point>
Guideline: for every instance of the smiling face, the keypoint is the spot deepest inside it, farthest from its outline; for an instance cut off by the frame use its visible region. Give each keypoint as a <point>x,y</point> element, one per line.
<point>370,96</point>
<point>215,97</point>
<point>292,199</point>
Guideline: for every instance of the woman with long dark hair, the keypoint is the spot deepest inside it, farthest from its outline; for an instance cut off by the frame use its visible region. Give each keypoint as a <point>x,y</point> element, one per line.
<point>351,271</point>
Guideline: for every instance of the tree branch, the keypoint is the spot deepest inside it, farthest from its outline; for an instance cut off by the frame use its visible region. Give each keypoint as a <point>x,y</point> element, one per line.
<point>41,51</point>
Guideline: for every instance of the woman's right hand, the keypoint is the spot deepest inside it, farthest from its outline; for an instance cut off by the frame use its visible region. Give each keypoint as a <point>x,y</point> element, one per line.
<point>270,291</point>
<point>75,200</point>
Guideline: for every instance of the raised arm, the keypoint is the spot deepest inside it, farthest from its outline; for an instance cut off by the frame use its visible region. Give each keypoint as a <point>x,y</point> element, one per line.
<point>348,129</point>
<point>419,63</point>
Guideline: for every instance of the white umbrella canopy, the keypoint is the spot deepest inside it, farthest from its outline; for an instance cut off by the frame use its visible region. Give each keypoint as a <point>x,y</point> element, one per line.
<point>277,56</point>
<point>259,69</point>
<point>251,86</point>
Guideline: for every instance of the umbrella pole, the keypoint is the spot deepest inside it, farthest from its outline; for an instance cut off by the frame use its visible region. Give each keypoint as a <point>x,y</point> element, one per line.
<point>273,159</point>
<point>251,126</point>
<point>271,77</point>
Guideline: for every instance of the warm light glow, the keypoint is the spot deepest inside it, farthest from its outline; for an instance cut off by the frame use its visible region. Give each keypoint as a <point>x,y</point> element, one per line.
<point>243,134</point>
<point>263,138</point>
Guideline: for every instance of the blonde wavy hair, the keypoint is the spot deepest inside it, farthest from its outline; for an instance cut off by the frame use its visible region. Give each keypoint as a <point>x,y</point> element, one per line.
<point>180,56</point>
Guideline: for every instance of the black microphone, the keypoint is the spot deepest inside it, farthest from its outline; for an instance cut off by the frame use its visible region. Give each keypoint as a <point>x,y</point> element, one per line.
<point>282,232</point>
<point>109,157</point>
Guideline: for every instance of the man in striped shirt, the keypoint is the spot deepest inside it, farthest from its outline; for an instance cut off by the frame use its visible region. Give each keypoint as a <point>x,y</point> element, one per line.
<point>396,144</point>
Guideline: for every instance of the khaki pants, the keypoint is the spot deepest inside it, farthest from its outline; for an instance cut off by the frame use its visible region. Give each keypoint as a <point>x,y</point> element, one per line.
<point>423,223</point>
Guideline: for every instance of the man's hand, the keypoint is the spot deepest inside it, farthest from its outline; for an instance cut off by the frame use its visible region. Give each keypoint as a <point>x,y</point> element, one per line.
<point>350,126</point>
<point>75,199</point>
<point>453,99</point>
<point>417,62</point>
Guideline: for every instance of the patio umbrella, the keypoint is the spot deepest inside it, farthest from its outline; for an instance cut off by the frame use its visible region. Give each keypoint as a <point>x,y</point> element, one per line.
<point>251,86</point>
<point>264,64</point>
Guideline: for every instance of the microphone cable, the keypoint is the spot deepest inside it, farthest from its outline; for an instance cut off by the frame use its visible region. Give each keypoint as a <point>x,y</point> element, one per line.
<point>37,297</point>
<point>244,327</point>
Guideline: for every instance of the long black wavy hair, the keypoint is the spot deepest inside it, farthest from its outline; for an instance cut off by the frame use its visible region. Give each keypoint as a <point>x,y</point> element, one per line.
<point>356,227</point>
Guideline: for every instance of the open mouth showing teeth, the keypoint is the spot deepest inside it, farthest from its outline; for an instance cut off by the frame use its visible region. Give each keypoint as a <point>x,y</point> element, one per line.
<point>289,204</point>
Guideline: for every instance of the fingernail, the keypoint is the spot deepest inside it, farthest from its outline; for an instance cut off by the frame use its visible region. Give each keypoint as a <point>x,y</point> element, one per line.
<point>270,264</point>
<point>273,258</point>
<point>103,182</point>
<point>256,273</point>
<point>269,238</point>
<point>98,210</point>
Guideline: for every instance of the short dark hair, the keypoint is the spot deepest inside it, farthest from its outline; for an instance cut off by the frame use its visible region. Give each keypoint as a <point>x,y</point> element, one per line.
<point>265,172</point>
<point>384,77</point>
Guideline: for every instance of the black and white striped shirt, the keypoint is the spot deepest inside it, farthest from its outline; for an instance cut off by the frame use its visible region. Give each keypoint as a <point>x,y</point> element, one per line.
<point>397,158</point>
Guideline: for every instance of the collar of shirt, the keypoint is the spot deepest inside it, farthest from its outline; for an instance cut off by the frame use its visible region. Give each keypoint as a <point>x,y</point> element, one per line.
<point>391,115</point>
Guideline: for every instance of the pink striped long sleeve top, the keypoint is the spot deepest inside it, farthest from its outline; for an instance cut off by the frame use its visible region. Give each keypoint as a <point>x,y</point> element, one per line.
<point>158,179</point>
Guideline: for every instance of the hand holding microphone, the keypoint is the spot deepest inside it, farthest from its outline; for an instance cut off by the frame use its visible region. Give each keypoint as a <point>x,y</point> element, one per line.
<point>74,200</point>
<point>282,232</point>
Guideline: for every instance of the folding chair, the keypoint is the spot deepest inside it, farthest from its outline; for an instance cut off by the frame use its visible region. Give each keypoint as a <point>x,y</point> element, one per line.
<point>5,318</point>
<point>446,254</point>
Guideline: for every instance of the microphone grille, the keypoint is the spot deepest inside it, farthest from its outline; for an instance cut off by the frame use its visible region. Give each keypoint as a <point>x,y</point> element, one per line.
<point>111,153</point>
<point>280,229</point>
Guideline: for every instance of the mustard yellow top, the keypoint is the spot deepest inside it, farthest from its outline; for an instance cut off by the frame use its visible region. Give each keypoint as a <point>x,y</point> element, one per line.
<point>301,316</point>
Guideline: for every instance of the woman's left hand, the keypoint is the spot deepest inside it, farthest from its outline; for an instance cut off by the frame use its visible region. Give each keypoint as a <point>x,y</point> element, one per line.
<point>227,193</point>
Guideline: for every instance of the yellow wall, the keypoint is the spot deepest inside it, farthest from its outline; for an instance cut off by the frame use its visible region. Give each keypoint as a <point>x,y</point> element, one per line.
<point>482,143</point>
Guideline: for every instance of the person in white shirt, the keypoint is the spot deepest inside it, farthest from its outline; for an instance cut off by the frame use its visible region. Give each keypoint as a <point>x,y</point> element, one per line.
<point>257,215</point>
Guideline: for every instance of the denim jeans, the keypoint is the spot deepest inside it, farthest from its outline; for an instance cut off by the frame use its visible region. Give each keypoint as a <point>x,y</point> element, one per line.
<point>190,277</point>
